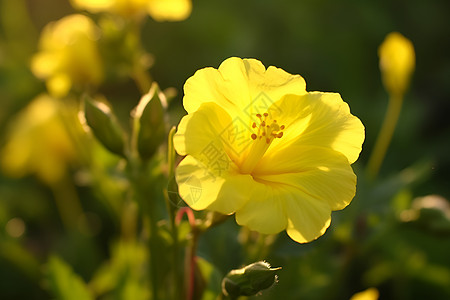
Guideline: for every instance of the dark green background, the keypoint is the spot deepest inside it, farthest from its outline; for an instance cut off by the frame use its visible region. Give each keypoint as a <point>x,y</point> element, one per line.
<point>333,45</point>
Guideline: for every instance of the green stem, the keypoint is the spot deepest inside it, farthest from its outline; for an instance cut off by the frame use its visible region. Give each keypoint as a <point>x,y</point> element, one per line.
<point>142,78</point>
<point>385,136</point>
<point>171,209</point>
<point>144,194</point>
<point>67,202</point>
<point>153,245</point>
<point>139,68</point>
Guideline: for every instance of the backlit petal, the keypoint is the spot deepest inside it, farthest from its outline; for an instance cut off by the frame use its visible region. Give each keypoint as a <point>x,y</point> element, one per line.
<point>210,133</point>
<point>265,212</point>
<point>200,129</point>
<point>308,218</point>
<point>201,187</point>
<point>319,119</point>
<point>324,174</point>
<point>240,86</point>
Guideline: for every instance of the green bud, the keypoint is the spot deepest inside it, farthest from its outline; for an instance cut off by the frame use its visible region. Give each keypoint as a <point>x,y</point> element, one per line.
<point>249,280</point>
<point>104,125</point>
<point>149,122</point>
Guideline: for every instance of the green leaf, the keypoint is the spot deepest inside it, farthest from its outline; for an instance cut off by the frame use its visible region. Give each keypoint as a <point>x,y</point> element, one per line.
<point>64,283</point>
<point>212,278</point>
<point>104,125</point>
<point>123,276</point>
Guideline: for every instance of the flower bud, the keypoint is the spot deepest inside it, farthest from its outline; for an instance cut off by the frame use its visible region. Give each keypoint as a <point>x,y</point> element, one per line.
<point>104,125</point>
<point>149,122</point>
<point>249,280</point>
<point>397,62</point>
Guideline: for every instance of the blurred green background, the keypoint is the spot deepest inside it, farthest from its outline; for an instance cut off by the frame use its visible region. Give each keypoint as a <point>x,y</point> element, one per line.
<point>333,45</point>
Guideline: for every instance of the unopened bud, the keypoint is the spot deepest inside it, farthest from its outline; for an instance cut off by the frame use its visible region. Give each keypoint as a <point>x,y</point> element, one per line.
<point>397,62</point>
<point>249,280</point>
<point>104,125</point>
<point>149,122</point>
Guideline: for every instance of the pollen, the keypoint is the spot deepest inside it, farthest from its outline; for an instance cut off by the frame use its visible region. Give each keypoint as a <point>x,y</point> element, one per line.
<point>267,128</point>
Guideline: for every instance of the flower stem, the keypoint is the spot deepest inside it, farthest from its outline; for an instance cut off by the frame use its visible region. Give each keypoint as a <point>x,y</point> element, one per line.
<point>171,209</point>
<point>67,202</point>
<point>384,136</point>
<point>145,196</point>
<point>190,261</point>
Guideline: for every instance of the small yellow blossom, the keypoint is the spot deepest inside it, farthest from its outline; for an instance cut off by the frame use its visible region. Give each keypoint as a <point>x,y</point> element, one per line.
<point>38,142</point>
<point>159,10</point>
<point>68,55</point>
<point>369,294</point>
<point>259,145</point>
<point>397,62</point>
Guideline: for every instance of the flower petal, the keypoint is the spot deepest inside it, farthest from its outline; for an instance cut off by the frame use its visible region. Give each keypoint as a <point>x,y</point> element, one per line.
<point>308,218</point>
<point>198,130</point>
<point>240,86</point>
<point>319,119</point>
<point>209,134</point>
<point>170,10</point>
<point>265,211</point>
<point>323,174</point>
<point>201,188</point>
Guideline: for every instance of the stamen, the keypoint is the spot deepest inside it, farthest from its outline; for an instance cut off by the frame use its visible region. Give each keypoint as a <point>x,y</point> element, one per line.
<point>267,130</point>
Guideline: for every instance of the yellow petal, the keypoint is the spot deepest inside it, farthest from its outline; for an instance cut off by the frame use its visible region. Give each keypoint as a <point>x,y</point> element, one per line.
<point>170,10</point>
<point>369,294</point>
<point>308,218</point>
<point>201,187</point>
<point>241,86</point>
<point>59,85</point>
<point>319,119</point>
<point>323,174</point>
<point>209,133</point>
<point>45,64</point>
<point>198,130</point>
<point>265,211</point>
<point>93,6</point>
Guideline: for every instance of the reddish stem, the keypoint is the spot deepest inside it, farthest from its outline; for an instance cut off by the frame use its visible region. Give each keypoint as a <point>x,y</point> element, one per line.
<point>190,256</point>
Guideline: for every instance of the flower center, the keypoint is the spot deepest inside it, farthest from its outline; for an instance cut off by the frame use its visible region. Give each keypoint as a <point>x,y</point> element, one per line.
<point>265,133</point>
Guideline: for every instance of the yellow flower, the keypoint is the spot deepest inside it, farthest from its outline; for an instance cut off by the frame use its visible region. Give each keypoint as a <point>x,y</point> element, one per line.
<point>68,55</point>
<point>397,61</point>
<point>38,143</point>
<point>160,10</point>
<point>259,145</point>
<point>369,294</point>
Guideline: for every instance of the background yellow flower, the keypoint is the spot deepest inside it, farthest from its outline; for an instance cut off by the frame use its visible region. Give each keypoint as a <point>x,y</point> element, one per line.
<point>68,55</point>
<point>369,294</point>
<point>160,10</point>
<point>260,146</point>
<point>38,143</point>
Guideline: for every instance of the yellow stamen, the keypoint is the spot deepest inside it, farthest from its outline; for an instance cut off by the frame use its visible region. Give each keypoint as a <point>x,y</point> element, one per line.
<point>260,145</point>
